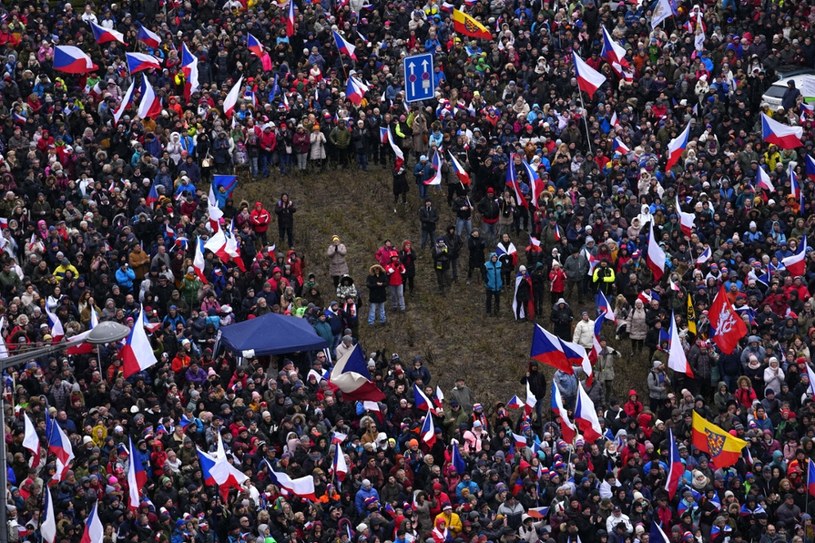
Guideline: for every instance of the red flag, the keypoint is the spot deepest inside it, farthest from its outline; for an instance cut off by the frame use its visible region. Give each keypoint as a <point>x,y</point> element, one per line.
<point>726,327</point>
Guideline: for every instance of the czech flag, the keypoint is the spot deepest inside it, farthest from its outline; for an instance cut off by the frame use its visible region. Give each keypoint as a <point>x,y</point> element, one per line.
<point>152,195</point>
<point>677,360</point>
<point>763,180</point>
<point>302,487</point>
<point>207,462</point>
<point>655,256</point>
<point>57,331</point>
<point>810,167</point>
<point>657,534</point>
<point>148,37</point>
<point>231,99</point>
<point>189,67</point>
<point>686,220</point>
<point>338,437</point>
<point>59,445</point>
<point>254,45</point>
<point>676,147</point>
<point>795,185</point>
<point>48,528</point>
<point>614,54</point>
<point>290,19</point>
<point>457,460</point>
<point>531,401</point>
<point>614,121</point>
<point>811,477</point>
<point>512,182</point>
<point>420,400</point>
<point>350,375</point>
<point>514,403</point>
<point>675,466</point>
<point>94,531</point>
<point>136,478</point>
<point>383,135</point>
<point>461,173</point>
<point>547,349</point>
<point>435,162</point>
<point>150,105</point>
<point>469,26</point>
<point>339,466</point>
<point>137,353</point>
<point>31,441</point>
<point>535,184</point>
<point>784,136</point>
<point>70,59</point>
<point>604,308</point>
<point>585,415</point>
<point>355,90</point>
<point>796,264</point>
<point>595,341</point>
<point>617,146</point>
<point>105,35</point>
<point>137,62</point>
<point>567,427</point>
<point>538,512</point>
<point>705,256</point>
<point>576,355</point>
<point>519,440</point>
<point>198,262</point>
<point>346,48</point>
<point>399,156</point>
<point>438,401</point>
<point>428,430</point>
<point>588,79</point>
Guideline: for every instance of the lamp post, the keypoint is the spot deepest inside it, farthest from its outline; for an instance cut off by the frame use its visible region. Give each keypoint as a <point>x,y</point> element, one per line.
<point>103,333</point>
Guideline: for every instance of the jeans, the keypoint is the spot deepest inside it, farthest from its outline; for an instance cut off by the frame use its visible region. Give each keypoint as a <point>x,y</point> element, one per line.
<point>372,313</point>
<point>488,233</point>
<point>253,166</point>
<point>265,161</point>
<point>285,163</point>
<point>362,160</point>
<point>422,190</point>
<point>427,238</point>
<point>302,161</point>
<point>397,296</point>
<point>464,226</point>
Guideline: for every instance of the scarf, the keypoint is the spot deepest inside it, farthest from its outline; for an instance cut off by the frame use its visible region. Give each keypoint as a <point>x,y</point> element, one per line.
<point>351,309</point>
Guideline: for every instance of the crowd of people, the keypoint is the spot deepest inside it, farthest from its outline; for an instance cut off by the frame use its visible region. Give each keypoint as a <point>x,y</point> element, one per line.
<point>101,218</point>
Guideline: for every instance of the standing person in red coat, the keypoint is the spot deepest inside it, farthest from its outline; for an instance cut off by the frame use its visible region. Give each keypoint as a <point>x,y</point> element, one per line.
<point>557,281</point>
<point>260,218</point>
<point>396,281</point>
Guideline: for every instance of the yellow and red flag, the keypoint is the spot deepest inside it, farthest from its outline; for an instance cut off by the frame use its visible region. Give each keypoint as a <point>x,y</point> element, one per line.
<point>724,449</point>
<point>469,26</point>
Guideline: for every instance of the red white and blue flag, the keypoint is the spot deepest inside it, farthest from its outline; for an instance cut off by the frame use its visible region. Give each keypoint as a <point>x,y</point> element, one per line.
<point>254,45</point>
<point>105,35</point>
<point>435,163</point>
<point>675,466</point>
<point>137,353</point>
<point>136,478</point>
<point>795,184</point>
<point>148,37</point>
<point>339,466</point>
<point>588,79</point>
<point>614,54</point>
<point>514,403</point>
<point>604,309</point>
<point>585,416</point>
<point>676,147</point>
<point>31,441</point>
<point>677,360</point>
<point>512,182</point>
<point>137,62</point>
<point>535,183</point>
<point>345,47</point>
<point>810,167</point>
<point>231,99</point>
<point>796,264</point>
<point>655,256</point>
<point>617,146</point>
<point>189,67</point>
<point>763,180</point>
<point>70,59</point>
<point>686,220</point>
<point>428,430</point>
<point>782,135</point>
<point>461,173</point>
<point>567,427</point>
<point>48,528</point>
<point>290,19</point>
<point>399,156</point>
<point>150,105</point>
<point>94,531</point>
<point>547,349</point>
<point>420,400</point>
<point>355,90</point>
<point>59,445</point>
<point>811,477</point>
<point>350,375</point>
<point>57,331</point>
<point>302,487</point>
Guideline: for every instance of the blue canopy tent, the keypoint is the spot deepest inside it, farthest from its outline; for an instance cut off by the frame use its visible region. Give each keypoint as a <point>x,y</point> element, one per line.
<point>270,334</point>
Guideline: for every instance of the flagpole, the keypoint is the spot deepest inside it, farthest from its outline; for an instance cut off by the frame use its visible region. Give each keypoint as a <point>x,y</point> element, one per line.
<point>585,118</point>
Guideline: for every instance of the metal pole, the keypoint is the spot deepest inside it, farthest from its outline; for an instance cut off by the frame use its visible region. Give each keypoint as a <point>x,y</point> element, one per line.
<point>585,120</point>
<point>3,469</point>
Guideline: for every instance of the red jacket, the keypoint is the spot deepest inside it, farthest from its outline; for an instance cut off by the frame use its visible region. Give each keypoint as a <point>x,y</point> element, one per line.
<point>395,271</point>
<point>260,219</point>
<point>557,278</point>
<point>266,140</point>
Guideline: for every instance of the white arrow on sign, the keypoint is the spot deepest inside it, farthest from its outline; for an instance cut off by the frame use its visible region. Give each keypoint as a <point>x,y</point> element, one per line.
<point>412,77</point>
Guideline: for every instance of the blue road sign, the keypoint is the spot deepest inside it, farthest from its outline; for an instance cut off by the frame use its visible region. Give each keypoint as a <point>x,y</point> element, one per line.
<point>418,77</point>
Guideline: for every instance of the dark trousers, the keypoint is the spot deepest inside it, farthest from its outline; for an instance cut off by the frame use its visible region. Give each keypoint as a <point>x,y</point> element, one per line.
<point>286,233</point>
<point>493,295</point>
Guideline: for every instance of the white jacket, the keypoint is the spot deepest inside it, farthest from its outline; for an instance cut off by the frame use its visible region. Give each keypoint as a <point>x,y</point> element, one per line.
<point>584,334</point>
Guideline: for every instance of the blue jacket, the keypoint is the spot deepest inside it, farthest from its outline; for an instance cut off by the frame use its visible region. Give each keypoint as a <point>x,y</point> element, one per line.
<point>362,495</point>
<point>493,273</point>
<point>125,278</point>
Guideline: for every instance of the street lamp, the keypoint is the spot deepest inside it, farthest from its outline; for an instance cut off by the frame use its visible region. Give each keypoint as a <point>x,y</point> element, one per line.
<point>103,333</point>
